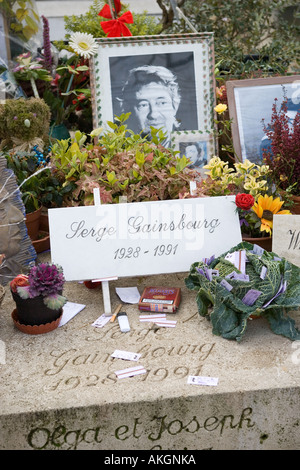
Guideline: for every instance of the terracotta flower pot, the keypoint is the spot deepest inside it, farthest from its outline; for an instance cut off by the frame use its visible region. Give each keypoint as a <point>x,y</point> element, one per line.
<point>42,242</point>
<point>296,207</point>
<point>35,329</point>
<point>263,242</point>
<point>33,223</point>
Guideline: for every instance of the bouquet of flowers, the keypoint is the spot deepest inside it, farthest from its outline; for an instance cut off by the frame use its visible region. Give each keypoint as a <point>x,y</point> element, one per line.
<point>251,184</point>
<point>256,218</point>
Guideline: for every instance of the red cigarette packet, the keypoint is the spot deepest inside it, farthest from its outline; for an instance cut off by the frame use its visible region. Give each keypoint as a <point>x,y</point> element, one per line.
<point>160,299</point>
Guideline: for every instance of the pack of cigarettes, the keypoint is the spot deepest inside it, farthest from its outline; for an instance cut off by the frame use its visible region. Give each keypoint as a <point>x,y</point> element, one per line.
<point>160,299</point>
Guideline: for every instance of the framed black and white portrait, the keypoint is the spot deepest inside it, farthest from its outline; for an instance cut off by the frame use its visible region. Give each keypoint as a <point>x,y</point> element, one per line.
<point>196,146</point>
<point>164,82</point>
<point>250,105</point>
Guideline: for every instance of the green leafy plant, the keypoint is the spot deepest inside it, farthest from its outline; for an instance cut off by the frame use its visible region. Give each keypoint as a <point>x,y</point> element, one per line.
<point>120,164</point>
<point>90,22</point>
<point>269,287</point>
<point>253,37</point>
<point>246,177</point>
<point>37,184</point>
<point>282,155</point>
<point>22,16</point>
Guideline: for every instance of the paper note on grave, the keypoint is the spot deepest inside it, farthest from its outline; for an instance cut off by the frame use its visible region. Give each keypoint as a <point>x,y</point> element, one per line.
<point>286,237</point>
<point>129,295</point>
<point>141,238</point>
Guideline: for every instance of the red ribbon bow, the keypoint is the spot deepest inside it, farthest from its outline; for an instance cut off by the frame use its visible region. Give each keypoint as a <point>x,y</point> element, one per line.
<point>116,27</point>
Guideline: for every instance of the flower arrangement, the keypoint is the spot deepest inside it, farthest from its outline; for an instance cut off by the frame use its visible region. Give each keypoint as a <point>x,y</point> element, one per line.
<point>45,280</point>
<point>282,152</point>
<point>252,186</point>
<point>70,92</point>
<point>30,69</point>
<point>256,218</point>
<point>246,282</point>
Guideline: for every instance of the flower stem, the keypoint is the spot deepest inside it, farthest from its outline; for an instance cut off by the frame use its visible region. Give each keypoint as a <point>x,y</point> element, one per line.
<point>34,88</point>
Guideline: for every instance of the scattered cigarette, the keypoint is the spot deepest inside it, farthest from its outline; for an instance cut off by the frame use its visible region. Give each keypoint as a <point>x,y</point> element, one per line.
<point>116,313</point>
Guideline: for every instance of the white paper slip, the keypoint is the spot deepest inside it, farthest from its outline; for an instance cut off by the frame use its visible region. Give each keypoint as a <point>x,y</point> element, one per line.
<point>101,321</point>
<point>70,309</point>
<point>130,372</point>
<point>238,258</point>
<point>166,323</point>
<point>128,295</point>
<point>198,380</point>
<point>127,355</point>
<point>153,318</point>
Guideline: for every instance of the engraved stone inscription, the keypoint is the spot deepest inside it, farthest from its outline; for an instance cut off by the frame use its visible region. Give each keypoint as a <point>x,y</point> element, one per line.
<point>161,427</point>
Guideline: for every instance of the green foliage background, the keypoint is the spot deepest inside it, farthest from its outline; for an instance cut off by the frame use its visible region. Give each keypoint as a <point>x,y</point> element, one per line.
<point>248,28</point>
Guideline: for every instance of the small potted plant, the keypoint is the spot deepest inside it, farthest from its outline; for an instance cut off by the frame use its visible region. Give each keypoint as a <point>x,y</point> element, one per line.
<point>38,297</point>
<point>39,190</point>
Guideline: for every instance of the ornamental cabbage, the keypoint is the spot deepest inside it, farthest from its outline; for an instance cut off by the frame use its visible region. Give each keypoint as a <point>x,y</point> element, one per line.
<point>246,281</point>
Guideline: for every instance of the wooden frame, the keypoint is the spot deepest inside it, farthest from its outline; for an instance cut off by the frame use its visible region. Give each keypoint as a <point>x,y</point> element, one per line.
<point>250,106</point>
<point>189,57</point>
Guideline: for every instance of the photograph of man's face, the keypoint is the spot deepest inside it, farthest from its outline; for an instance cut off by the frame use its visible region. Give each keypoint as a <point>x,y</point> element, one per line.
<point>154,107</point>
<point>196,152</point>
<point>157,89</point>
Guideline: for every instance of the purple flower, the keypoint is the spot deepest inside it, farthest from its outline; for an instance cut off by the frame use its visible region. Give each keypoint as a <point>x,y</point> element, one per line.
<point>200,271</point>
<point>46,279</point>
<point>47,44</point>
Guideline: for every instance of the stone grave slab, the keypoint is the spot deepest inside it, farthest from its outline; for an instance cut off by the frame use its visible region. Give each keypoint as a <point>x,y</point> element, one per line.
<point>60,391</point>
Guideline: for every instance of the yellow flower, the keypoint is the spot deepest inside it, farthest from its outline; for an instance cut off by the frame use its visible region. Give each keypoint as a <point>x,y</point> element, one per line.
<point>265,208</point>
<point>220,108</point>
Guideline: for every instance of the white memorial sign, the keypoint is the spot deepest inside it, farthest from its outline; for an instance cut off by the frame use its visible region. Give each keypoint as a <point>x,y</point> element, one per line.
<point>143,238</point>
<point>286,237</point>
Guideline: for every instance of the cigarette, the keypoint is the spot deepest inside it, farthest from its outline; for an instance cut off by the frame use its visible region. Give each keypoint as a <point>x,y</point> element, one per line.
<point>116,313</point>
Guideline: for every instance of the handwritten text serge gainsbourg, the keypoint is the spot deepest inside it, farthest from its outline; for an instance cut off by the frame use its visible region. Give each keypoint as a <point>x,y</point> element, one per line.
<point>138,225</point>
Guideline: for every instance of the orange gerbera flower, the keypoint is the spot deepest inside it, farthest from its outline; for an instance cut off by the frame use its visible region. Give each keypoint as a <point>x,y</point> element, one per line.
<point>265,208</point>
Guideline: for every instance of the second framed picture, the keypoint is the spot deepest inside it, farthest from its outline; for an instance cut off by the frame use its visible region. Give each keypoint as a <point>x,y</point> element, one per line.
<point>250,105</point>
<point>166,82</point>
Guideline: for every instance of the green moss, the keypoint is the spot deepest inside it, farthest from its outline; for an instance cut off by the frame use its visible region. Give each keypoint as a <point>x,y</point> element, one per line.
<point>24,120</point>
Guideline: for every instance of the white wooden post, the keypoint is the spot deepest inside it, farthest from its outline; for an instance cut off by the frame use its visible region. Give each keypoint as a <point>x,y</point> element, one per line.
<point>104,283</point>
